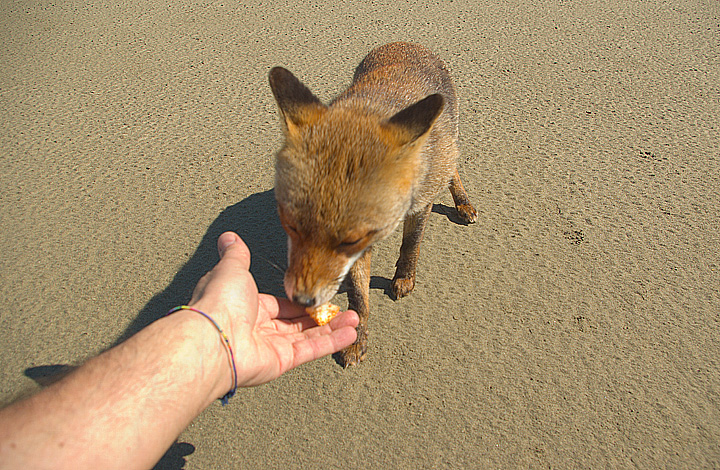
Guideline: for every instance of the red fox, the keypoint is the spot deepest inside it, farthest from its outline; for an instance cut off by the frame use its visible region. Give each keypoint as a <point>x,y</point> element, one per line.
<point>349,172</point>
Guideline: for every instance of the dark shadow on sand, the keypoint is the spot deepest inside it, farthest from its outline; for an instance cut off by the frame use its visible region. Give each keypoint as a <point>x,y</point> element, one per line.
<point>450,212</point>
<point>174,458</point>
<point>255,220</point>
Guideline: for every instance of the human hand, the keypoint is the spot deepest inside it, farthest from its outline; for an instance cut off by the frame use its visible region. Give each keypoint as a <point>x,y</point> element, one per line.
<point>269,336</point>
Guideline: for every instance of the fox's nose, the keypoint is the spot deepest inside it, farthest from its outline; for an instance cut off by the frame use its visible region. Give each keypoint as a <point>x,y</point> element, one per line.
<point>304,300</point>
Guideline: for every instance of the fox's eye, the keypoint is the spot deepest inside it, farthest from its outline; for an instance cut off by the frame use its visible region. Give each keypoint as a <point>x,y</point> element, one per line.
<point>356,242</point>
<point>350,243</point>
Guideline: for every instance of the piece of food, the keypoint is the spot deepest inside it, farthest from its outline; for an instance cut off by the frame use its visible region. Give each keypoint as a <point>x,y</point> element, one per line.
<point>322,314</point>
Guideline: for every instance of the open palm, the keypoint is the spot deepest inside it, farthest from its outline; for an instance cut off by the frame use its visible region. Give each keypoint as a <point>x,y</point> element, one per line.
<point>269,336</point>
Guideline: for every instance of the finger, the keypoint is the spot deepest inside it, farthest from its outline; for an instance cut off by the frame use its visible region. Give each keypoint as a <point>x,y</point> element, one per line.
<point>319,346</point>
<point>227,239</point>
<point>231,245</point>
<point>347,318</point>
<point>280,308</point>
<point>283,316</point>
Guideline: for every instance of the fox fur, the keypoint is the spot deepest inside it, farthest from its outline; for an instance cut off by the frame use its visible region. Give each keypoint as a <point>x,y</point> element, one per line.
<point>349,172</point>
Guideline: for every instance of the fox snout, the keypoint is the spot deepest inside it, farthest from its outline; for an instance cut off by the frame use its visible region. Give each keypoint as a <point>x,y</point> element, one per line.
<point>314,274</point>
<point>304,297</point>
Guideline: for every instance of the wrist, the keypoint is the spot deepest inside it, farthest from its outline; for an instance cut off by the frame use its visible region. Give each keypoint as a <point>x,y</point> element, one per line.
<point>205,352</point>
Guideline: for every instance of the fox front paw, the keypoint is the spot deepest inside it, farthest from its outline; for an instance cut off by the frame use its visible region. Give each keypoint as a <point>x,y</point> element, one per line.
<point>352,355</point>
<point>467,213</point>
<point>402,286</point>
<point>355,353</point>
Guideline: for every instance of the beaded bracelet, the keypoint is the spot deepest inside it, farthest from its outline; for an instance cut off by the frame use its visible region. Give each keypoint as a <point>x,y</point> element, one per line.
<point>226,342</point>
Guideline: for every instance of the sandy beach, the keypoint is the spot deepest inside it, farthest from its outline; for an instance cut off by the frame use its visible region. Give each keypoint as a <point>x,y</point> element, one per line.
<point>576,325</point>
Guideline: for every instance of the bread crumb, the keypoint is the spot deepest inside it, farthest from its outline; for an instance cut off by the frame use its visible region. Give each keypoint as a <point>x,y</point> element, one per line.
<point>322,314</point>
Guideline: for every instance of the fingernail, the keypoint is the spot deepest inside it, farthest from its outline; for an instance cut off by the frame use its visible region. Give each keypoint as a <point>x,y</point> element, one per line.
<point>225,240</point>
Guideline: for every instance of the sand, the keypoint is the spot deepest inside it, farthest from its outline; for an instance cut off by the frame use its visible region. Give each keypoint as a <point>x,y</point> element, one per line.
<point>576,325</point>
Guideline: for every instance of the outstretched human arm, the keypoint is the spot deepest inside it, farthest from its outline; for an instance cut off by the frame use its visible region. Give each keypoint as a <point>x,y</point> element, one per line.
<point>125,407</point>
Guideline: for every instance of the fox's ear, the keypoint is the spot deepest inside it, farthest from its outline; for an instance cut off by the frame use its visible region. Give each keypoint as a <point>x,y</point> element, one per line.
<point>416,120</point>
<point>297,103</point>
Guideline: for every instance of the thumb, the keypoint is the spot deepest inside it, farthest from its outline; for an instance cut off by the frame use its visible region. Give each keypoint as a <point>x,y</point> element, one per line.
<point>231,245</point>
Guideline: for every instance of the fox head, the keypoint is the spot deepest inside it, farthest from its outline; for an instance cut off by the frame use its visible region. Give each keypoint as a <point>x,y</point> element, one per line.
<point>344,179</point>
